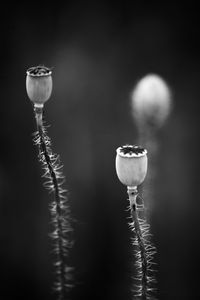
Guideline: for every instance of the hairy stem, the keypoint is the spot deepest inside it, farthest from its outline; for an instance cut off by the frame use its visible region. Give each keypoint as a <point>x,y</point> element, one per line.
<point>144,250</point>
<point>58,208</point>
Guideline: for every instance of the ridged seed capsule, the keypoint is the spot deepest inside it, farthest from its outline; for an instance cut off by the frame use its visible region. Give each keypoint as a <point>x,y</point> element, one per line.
<point>39,84</point>
<point>131,165</point>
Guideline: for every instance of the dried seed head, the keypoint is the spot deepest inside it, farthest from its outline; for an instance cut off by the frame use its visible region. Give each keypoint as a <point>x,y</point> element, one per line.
<point>39,84</point>
<point>151,100</point>
<point>131,165</point>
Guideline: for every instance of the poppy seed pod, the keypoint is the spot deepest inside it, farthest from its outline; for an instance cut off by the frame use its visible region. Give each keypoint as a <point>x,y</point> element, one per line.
<point>39,84</point>
<point>131,165</point>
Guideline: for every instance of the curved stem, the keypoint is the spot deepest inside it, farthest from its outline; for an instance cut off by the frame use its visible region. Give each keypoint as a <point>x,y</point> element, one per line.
<point>58,208</point>
<point>144,250</point>
<point>132,192</point>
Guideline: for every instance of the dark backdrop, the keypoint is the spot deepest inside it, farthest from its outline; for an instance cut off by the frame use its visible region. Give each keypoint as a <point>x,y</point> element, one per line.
<point>98,52</point>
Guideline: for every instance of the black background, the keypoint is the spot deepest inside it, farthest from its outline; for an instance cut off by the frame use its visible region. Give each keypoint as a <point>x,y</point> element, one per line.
<point>98,51</point>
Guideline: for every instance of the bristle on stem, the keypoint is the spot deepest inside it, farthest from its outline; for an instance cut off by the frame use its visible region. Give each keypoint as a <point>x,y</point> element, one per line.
<point>144,250</point>
<point>59,209</point>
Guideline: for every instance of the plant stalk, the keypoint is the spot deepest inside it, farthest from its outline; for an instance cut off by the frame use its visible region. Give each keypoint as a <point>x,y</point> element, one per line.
<point>57,211</point>
<point>132,192</point>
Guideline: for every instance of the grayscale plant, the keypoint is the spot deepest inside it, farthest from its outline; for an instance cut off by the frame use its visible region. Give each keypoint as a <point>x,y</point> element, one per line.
<point>131,169</point>
<point>39,88</point>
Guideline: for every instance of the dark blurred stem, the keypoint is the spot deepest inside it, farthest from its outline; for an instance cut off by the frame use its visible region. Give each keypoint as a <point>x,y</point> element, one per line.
<point>132,192</point>
<point>44,151</point>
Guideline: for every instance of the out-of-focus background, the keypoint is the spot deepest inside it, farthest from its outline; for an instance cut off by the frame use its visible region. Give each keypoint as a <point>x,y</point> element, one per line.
<point>98,52</point>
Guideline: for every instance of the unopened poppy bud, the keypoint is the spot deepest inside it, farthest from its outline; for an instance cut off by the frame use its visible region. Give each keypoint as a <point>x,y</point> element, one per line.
<point>39,84</point>
<point>151,100</point>
<point>131,165</point>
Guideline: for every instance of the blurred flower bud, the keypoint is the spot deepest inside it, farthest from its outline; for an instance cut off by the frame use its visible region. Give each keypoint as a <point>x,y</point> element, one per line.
<point>39,84</point>
<point>131,165</point>
<point>151,100</point>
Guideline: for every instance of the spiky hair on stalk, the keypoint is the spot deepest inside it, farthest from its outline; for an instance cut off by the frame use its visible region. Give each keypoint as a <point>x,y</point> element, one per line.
<point>131,167</point>
<point>59,210</point>
<point>144,251</point>
<point>39,87</point>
